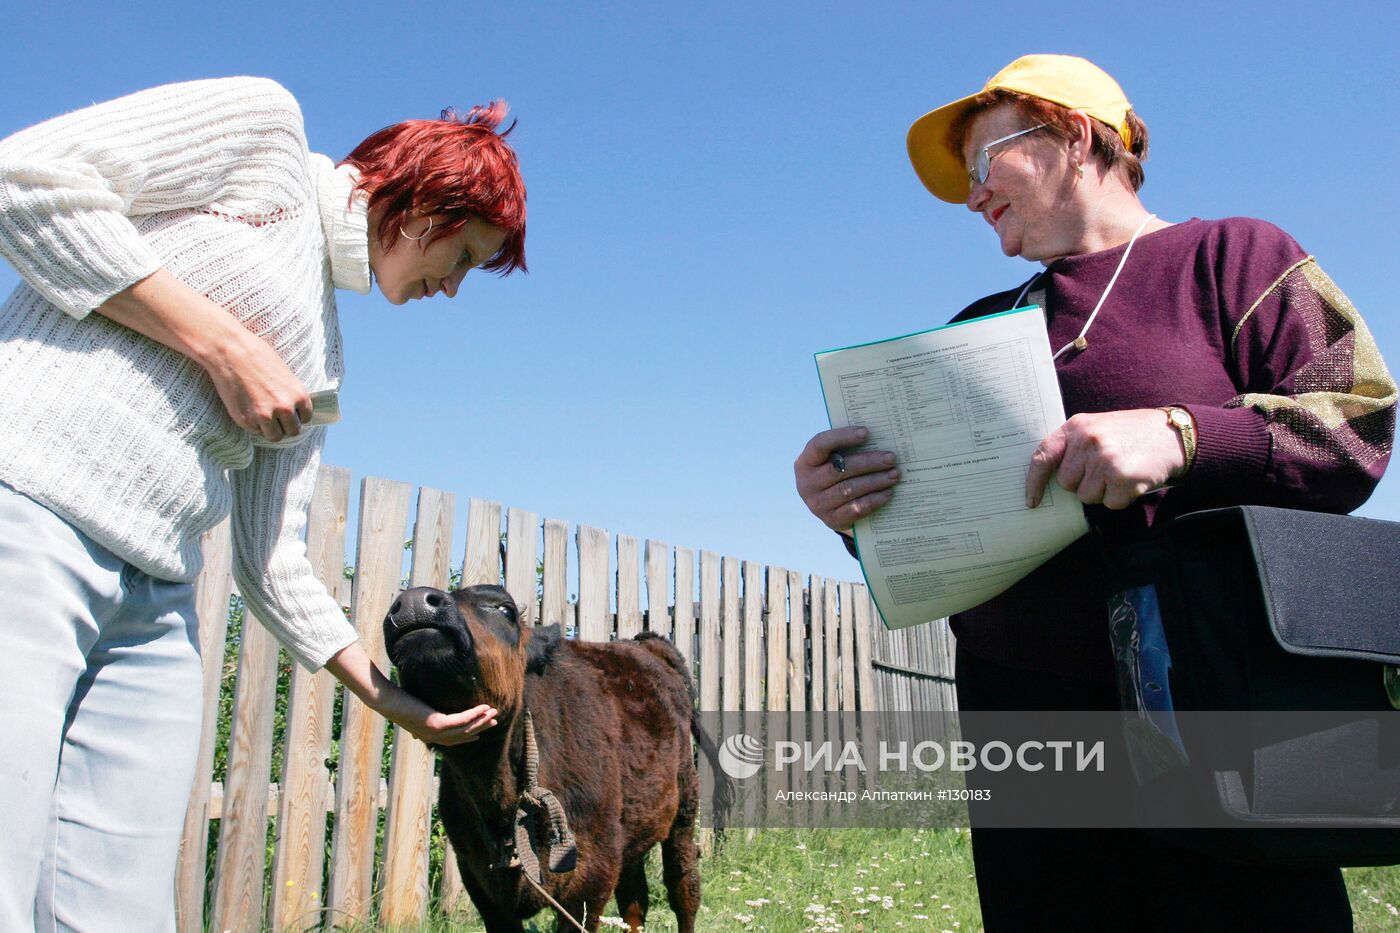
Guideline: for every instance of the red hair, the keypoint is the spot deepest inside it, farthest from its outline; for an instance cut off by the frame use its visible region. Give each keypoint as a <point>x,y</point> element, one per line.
<point>458,165</point>
<point>1107,145</point>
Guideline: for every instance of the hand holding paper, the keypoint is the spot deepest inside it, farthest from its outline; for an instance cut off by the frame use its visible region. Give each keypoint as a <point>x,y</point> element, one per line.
<point>840,492</point>
<point>1108,457</point>
<point>962,408</point>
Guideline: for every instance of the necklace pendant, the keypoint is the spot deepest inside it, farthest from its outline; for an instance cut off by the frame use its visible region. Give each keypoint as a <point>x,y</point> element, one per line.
<point>1080,343</point>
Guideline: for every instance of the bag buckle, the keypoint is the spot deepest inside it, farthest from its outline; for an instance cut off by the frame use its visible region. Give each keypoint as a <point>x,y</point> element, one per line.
<point>1390,676</point>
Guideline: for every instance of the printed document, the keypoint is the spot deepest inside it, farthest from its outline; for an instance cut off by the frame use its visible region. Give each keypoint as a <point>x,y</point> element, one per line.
<point>963,407</point>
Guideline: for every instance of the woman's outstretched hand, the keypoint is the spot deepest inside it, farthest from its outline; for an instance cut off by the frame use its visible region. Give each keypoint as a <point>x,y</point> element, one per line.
<point>450,728</point>
<point>354,668</point>
<point>1110,457</point>
<point>840,497</point>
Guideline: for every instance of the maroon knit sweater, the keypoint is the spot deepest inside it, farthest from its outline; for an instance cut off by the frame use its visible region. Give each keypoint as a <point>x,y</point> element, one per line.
<point>1233,321</point>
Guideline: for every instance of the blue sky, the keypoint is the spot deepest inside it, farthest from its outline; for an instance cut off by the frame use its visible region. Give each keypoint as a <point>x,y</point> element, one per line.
<point>719,190</point>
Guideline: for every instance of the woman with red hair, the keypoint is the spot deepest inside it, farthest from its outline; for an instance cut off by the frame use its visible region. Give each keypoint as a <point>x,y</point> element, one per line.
<point>209,241</point>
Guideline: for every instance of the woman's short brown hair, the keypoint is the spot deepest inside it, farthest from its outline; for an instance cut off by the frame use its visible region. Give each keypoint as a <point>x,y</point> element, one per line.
<point>1107,145</point>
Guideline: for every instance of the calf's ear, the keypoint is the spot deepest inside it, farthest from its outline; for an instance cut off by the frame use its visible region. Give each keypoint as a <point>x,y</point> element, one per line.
<point>541,647</point>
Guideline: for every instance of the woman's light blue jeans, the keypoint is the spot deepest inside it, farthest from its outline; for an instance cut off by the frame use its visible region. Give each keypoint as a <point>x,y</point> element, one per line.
<point>100,729</point>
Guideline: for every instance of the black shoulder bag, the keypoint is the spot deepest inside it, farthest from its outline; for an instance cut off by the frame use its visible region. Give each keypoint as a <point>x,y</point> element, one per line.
<point>1258,660</point>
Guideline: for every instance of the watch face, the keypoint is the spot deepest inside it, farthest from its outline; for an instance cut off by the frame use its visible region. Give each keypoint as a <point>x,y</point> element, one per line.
<point>1179,418</point>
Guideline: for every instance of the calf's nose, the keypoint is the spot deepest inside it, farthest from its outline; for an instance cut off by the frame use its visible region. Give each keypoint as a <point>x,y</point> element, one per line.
<point>420,605</point>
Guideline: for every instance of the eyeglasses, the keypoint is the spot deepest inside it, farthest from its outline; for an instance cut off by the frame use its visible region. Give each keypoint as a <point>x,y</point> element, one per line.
<point>982,165</point>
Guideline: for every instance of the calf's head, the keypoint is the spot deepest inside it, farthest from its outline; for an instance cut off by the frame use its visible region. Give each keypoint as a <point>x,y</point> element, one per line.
<point>457,650</point>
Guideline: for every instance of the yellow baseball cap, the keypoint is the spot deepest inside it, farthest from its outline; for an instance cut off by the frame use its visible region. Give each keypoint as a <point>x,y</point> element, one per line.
<point>1067,80</point>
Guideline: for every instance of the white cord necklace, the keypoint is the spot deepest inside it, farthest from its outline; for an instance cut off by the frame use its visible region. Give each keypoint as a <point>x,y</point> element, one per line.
<point>1080,342</point>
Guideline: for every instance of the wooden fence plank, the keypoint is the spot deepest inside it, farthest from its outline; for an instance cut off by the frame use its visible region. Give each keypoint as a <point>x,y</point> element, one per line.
<point>879,654</point>
<point>919,654</point>
<point>594,606</point>
<point>554,602</point>
<point>864,635</point>
<point>848,648</point>
<point>522,557</point>
<point>751,624</point>
<point>866,700</point>
<point>797,665</point>
<point>925,647</point>
<point>658,588</point>
<point>731,680</point>
<point>814,687</point>
<point>754,697</point>
<point>683,618</point>
<point>950,648</point>
<point>817,632</point>
<point>238,870</point>
<point>481,561</point>
<point>910,655</point>
<point>831,641</point>
<point>711,656</point>
<point>299,862</point>
<point>892,655</point>
<point>629,587</point>
<point>777,677</point>
<point>407,818</point>
<point>797,643</point>
<point>211,594</point>
<point>379,558</point>
<point>777,673</point>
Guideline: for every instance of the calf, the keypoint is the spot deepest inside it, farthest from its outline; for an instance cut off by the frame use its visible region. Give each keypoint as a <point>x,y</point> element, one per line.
<point>613,724</point>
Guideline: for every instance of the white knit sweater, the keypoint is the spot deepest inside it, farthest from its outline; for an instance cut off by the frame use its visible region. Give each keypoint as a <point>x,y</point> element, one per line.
<point>122,437</point>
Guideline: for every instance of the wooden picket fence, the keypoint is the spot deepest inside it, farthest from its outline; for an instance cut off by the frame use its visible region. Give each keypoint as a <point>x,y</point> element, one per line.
<point>760,637</point>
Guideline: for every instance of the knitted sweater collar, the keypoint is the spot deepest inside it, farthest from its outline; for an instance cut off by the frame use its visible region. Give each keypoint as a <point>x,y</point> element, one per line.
<point>345,223</point>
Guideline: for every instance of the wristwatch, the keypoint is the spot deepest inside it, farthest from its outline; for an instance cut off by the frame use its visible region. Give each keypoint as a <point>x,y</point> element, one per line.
<point>1181,421</point>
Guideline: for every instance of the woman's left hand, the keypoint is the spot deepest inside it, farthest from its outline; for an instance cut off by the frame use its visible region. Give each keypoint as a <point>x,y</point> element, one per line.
<point>1110,457</point>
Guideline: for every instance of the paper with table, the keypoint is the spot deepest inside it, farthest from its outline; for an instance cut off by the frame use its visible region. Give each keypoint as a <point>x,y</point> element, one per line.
<point>963,407</point>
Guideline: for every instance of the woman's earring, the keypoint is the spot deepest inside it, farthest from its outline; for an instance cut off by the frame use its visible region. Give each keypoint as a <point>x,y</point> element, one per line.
<point>430,227</point>
<point>1078,173</point>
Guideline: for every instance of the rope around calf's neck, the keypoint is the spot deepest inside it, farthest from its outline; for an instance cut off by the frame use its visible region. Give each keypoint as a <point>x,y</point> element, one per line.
<point>563,850</point>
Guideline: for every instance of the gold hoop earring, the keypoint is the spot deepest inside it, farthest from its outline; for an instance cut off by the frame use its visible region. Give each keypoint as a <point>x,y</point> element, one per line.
<point>426,232</point>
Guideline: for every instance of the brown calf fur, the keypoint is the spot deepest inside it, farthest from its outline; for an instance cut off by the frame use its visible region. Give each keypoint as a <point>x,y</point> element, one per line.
<point>613,724</point>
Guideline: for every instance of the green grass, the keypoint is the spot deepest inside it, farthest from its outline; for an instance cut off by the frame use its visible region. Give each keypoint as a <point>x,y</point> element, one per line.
<point>862,880</point>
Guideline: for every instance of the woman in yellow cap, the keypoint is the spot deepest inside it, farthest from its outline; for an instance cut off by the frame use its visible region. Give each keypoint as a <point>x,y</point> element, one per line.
<point>1203,364</point>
